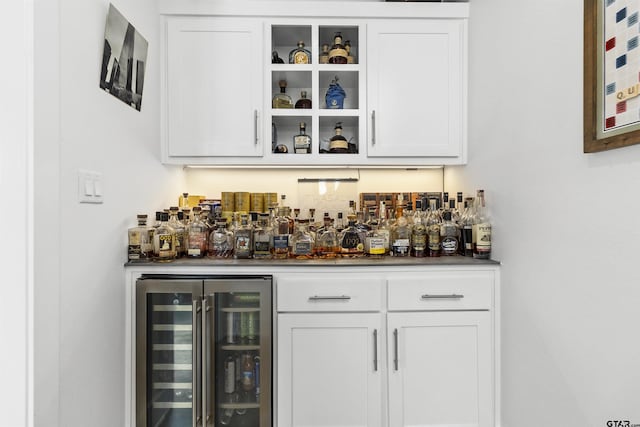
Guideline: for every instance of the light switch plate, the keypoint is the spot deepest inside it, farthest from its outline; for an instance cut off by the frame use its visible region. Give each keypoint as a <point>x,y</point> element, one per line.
<point>90,189</point>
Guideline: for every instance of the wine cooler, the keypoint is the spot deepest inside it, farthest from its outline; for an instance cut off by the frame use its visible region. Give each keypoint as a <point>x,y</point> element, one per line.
<point>203,351</point>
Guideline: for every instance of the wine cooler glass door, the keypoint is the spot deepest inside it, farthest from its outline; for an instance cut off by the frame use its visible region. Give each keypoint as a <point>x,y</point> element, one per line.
<point>238,358</point>
<point>169,354</point>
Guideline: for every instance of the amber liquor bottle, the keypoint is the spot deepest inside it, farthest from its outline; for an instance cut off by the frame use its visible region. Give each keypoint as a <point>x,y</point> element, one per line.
<point>338,54</point>
<point>300,55</point>
<point>303,102</point>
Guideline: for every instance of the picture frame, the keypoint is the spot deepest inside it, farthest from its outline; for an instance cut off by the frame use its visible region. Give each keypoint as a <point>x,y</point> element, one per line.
<point>611,74</point>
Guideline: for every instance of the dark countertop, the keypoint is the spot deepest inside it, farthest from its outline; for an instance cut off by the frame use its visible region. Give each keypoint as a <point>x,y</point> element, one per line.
<point>336,262</point>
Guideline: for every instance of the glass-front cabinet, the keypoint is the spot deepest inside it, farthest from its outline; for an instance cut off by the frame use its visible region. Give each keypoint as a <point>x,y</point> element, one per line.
<point>203,353</point>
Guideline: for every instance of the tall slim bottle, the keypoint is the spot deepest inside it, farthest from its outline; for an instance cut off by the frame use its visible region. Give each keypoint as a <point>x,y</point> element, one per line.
<point>481,229</point>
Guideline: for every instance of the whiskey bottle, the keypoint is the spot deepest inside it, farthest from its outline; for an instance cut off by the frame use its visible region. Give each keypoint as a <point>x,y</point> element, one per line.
<point>383,226</point>
<point>302,243</point>
<point>300,55</point>
<point>197,235</point>
<point>275,59</point>
<point>375,241</point>
<point>262,238</point>
<point>139,247</point>
<point>180,230</point>
<point>303,102</point>
<point>282,100</point>
<point>221,240</point>
<point>351,240</point>
<point>449,235</point>
<point>418,233</point>
<point>243,239</point>
<point>164,241</point>
<point>481,229</point>
<point>400,235</point>
<point>324,56</point>
<point>433,229</point>
<point>281,234</point>
<point>338,54</point>
<point>466,221</point>
<point>302,141</point>
<point>327,243</point>
<point>347,47</point>
<point>338,143</point>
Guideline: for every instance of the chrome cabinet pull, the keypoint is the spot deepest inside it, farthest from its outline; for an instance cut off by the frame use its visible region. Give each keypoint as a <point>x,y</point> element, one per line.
<point>450,296</point>
<point>395,347</point>
<point>195,324</point>
<point>255,122</point>
<point>329,297</point>
<point>375,349</point>
<point>373,127</point>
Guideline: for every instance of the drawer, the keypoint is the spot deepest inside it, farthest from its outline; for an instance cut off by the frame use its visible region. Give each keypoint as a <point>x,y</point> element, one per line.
<point>329,293</point>
<point>442,291</point>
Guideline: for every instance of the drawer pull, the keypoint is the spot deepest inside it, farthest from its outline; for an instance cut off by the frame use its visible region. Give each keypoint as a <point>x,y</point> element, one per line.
<point>450,296</point>
<point>329,298</point>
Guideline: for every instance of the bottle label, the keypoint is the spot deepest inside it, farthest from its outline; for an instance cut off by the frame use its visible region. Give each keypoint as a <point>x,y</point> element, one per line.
<point>300,57</point>
<point>376,245</point>
<point>449,245</point>
<point>194,252</point>
<point>352,241</point>
<point>261,248</point>
<point>243,243</point>
<point>434,238</point>
<point>483,236</point>
<point>165,242</point>
<point>338,52</point>
<point>281,241</point>
<point>302,248</point>
<point>419,241</point>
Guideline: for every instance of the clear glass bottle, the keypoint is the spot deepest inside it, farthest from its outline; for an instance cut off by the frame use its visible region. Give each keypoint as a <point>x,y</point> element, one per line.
<point>351,239</point>
<point>340,222</point>
<point>466,227</point>
<point>375,241</point>
<point>383,227</point>
<point>281,234</point>
<point>197,235</point>
<point>263,238</point>
<point>303,102</point>
<point>400,235</point>
<point>481,229</point>
<point>243,239</point>
<point>302,243</point>
<point>282,100</point>
<point>221,240</point>
<point>337,53</point>
<point>324,55</point>
<point>347,47</point>
<point>338,143</point>
<point>140,248</point>
<point>418,233</point>
<point>449,235</point>
<point>180,230</point>
<point>327,243</point>
<point>300,55</point>
<point>433,229</point>
<point>164,241</point>
<point>302,141</point>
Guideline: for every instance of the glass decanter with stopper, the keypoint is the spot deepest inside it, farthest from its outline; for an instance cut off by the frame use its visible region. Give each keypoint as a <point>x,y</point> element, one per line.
<point>221,240</point>
<point>302,243</point>
<point>197,235</point>
<point>282,100</point>
<point>327,244</point>
<point>300,55</point>
<point>338,54</point>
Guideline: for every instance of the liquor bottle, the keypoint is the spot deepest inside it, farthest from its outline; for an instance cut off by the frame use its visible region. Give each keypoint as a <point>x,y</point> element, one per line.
<point>186,216</point>
<point>383,227</point>
<point>324,55</point>
<point>281,234</point>
<point>229,375</point>
<point>300,55</point>
<point>327,243</point>
<point>197,235</point>
<point>466,228</point>
<point>449,235</point>
<point>221,240</point>
<point>263,238</point>
<point>140,247</point>
<point>180,230</point>
<point>303,102</point>
<point>338,54</point>
<point>302,141</point>
<point>347,47</point>
<point>243,239</point>
<point>400,235</point>
<point>302,243</point>
<point>481,229</point>
<point>247,380</point>
<point>418,233</point>
<point>275,58</point>
<point>433,229</point>
<point>282,100</point>
<point>351,239</point>
<point>164,241</point>
<point>340,222</point>
<point>338,143</point>
<point>375,241</point>
<point>459,208</point>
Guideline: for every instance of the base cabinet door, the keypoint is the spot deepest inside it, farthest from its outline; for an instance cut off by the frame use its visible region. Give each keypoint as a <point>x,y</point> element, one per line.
<point>328,370</point>
<point>440,369</point>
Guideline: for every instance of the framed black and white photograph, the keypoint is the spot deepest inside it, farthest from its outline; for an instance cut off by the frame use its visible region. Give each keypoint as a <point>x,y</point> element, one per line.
<point>123,61</point>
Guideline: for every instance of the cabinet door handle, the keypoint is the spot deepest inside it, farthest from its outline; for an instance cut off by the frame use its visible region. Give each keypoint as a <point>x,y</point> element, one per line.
<point>449,296</point>
<point>255,127</point>
<point>373,127</point>
<point>196,323</point>
<point>395,349</point>
<point>329,297</point>
<point>375,350</point>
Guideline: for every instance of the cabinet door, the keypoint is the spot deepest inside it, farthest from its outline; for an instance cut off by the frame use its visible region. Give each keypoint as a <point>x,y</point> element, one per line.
<point>213,87</point>
<point>417,88</point>
<point>440,369</point>
<point>328,370</point>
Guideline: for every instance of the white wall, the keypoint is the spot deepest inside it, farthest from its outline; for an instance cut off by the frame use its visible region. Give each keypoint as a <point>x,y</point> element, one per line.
<point>90,130</point>
<point>564,221</point>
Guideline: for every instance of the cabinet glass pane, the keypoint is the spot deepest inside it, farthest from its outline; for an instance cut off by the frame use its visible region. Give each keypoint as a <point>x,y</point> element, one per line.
<point>285,38</point>
<point>170,356</point>
<point>238,358</point>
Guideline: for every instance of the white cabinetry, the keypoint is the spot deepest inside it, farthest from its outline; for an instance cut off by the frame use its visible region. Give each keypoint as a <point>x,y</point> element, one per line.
<point>212,86</point>
<point>417,88</point>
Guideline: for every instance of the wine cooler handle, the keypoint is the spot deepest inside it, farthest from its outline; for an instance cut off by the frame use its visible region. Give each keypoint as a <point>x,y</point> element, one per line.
<point>375,350</point>
<point>195,326</point>
<point>329,297</point>
<point>395,347</point>
<point>205,364</point>
<point>255,123</point>
<point>449,296</point>
<point>373,127</point>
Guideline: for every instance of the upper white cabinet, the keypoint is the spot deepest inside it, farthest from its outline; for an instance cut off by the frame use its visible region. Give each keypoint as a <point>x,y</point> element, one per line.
<point>417,88</point>
<point>405,87</point>
<point>212,101</point>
